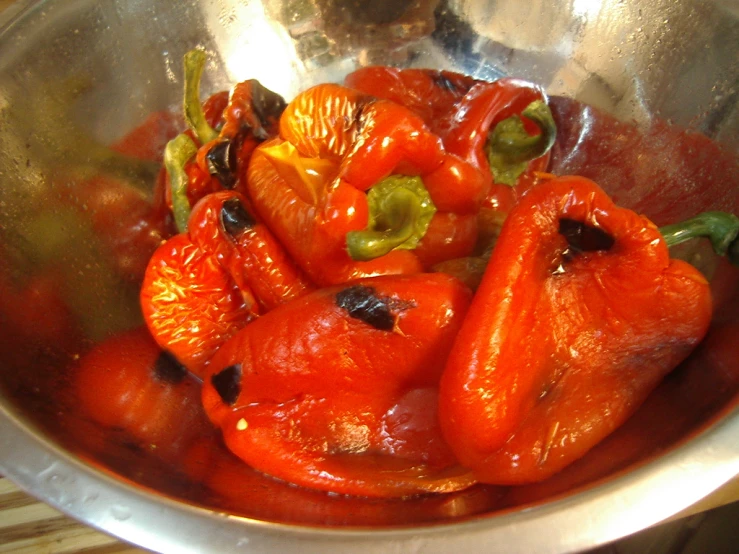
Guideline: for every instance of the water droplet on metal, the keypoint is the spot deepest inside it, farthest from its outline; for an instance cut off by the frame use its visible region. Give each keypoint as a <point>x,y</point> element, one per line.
<point>120,513</point>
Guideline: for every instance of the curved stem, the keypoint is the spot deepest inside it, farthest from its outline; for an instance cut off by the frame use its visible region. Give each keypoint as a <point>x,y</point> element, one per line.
<point>177,153</point>
<point>510,147</point>
<point>194,114</point>
<point>721,228</point>
<point>400,213</point>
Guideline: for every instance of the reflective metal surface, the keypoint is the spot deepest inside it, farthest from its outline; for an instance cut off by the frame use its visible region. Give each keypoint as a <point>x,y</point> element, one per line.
<point>77,75</point>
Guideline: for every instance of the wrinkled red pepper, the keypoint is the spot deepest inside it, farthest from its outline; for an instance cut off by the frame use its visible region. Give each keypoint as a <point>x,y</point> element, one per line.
<point>430,94</point>
<point>202,286</point>
<point>221,225</point>
<point>464,112</point>
<point>191,304</point>
<point>337,390</point>
<point>250,117</point>
<point>580,314</point>
<point>503,129</point>
<point>311,186</point>
<point>212,154</point>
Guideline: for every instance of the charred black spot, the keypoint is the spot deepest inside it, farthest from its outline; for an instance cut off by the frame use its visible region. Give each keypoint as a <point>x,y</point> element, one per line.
<point>168,370</point>
<point>582,237</point>
<point>235,218</point>
<point>444,82</point>
<point>268,107</point>
<point>362,303</point>
<point>227,383</point>
<point>222,163</point>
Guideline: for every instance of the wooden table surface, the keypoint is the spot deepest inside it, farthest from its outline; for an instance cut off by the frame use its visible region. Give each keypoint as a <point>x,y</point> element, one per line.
<point>30,526</point>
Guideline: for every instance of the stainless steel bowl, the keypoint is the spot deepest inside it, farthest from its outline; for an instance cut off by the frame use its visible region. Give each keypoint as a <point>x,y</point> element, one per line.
<point>76,75</point>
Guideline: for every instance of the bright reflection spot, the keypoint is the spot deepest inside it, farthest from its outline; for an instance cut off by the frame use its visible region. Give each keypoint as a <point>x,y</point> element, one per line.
<point>587,8</point>
<point>252,46</point>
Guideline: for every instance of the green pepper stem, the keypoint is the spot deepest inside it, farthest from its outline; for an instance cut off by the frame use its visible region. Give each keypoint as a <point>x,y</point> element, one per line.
<point>194,114</point>
<point>721,228</point>
<point>400,211</point>
<point>177,153</point>
<point>510,147</point>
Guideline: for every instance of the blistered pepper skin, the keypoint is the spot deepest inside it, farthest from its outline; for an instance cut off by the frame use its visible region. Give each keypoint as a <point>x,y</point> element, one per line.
<point>465,130</point>
<point>221,225</point>
<point>560,345</point>
<point>349,142</point>
<point>337,389</point>
<point>460,109</point>
<point>429,93</point>
<point>314,235</point>
<point>190,303</point>
<point>463,112</point>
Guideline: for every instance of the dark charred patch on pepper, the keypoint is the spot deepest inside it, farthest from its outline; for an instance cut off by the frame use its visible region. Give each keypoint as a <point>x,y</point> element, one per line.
<point>168,370</point>
<point>363,303</point>
<point>268,107</point>
<point>582,237</point>
<point>227,383</point>
<point>222,161</point>
<point>235,218</point>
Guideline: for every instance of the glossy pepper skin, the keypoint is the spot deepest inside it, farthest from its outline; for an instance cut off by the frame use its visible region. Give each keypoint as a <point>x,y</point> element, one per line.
<point>460,109</point>
<point>222,133</point>
<point>191,304</point>
<point>127,382</point>
<point>465,113</point>
<point>431,94</point>
<point>580,314</point>
<point>337,390</point>
<point>335,144</point>
<point>465,129</point>
<point>250,117</point>
<point>220,224</point>
<point>314,234</point>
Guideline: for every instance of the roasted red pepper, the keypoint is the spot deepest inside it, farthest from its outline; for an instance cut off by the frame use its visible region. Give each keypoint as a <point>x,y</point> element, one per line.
<point>499,127</point>
<point>191,304</point>
<point>580,314</point>
<point>250,117</point>
<point>336,144</point>
<point>228,126</point>
<point>202,286</point>
<point>429,93</point>
<point>223,132</point>
<point>221,225</point>
<point>502,129</point>
<point>352,388</point>
<point>127,383</point>
<point>337,390</point>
